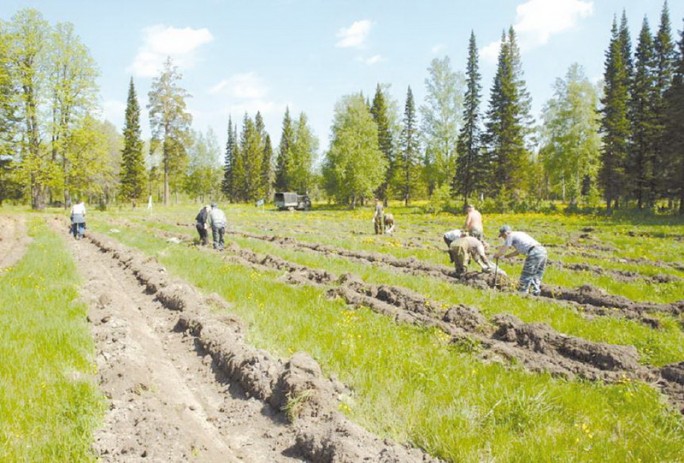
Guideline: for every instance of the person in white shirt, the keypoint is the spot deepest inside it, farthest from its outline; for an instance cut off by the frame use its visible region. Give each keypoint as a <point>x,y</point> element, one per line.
<point>451,236</point>
<point>78,225</point>
<point>535,262</point>
<point>217,221</point>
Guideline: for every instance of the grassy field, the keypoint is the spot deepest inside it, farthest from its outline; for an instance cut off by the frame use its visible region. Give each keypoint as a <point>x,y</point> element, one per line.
<point>49,402</point>
<point>411,383</point>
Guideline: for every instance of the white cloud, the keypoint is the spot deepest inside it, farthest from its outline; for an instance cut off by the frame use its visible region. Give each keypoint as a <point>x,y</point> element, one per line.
<point>537,20</point>
<point>373,60</point>
<point>160,42</point>
<point>490,53</point>
<point>245,86</point>
<point>354,35</point>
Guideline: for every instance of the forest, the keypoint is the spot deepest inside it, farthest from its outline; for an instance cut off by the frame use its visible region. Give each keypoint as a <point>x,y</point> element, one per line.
<point>617,144</point>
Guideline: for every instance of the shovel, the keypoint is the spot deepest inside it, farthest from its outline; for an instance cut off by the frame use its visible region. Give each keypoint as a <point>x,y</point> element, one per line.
<point>496,271</point>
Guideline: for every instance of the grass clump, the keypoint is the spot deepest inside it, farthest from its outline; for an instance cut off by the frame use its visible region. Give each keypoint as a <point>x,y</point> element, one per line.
<point>49,403</point>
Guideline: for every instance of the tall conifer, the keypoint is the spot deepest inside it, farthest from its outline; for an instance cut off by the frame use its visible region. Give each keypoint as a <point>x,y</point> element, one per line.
<point>508,123</point>
<point>614,121</point>
<point>665,56</point>
<point>407,173</point>
<point>132,161</point>
<point>640,159</point>
<point>674,131</point>
<point>283,161</point>
<point>379,111</point>
<point>227,186</point>
<point>468,177</point>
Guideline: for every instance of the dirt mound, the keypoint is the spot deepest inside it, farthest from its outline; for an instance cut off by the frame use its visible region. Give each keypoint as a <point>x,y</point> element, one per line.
<point>542,338</point>
<point>589,295</point>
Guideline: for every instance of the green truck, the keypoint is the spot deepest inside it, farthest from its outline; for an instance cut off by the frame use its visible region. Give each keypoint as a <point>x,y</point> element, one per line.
<point>292,201</point>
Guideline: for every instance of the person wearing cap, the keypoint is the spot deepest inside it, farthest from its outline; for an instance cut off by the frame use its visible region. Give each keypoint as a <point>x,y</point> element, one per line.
<point>201,223</point>
<point>465,247</point>
<point>217,221</point>
<point>535,262</point>
<point>473,222</point>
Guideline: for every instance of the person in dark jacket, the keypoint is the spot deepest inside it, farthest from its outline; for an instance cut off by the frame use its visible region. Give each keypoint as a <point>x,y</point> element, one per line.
<point>202,225</point>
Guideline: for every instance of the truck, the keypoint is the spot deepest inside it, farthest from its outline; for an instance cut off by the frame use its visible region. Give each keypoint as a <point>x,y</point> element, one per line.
<point>292,201</point>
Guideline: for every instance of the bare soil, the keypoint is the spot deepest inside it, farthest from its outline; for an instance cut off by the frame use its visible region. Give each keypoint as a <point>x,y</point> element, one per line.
<point>13,239</point>
<point>183,385</point>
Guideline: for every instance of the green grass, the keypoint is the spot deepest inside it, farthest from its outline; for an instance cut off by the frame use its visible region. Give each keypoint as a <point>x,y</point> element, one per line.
<point>49,402</point>
<point>410,384</point>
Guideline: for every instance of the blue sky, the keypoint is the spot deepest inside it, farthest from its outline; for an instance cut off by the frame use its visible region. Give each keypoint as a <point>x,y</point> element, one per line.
<point>265,55</point>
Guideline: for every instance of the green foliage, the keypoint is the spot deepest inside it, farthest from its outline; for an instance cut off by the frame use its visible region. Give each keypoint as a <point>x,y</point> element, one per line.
<point>203,176</point>
<point>354,166</point>
<point>170,124</point>
<point>304,151</point>
<point>571,143</point>
<point>49,405</point>
<point>440,121</point>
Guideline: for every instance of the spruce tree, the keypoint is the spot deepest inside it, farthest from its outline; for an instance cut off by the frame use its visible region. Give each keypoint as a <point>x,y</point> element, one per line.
<point>229,162</point>
<point>507,125</point>
<point>379,111</point>
<point>665,56</point>
<point>132,160</point>
<point>282,175</point>
<point>407,174</point>
<point>615,125</point>
<point>674,131</point>
<point>468,177</point>
<point>266,169</point>
<point>640,159</point>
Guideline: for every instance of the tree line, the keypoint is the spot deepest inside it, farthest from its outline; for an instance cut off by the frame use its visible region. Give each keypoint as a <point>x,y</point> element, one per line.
<point>619,142</point>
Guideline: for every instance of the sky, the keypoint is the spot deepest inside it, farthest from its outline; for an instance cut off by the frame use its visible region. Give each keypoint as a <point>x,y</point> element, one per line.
<point>244,56</point>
